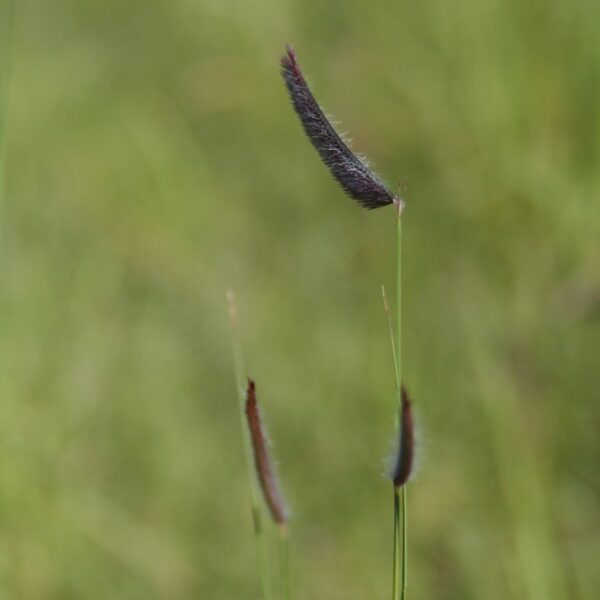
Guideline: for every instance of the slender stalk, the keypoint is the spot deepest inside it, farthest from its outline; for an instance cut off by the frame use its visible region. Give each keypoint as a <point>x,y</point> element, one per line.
<point>400,532</point>
<point>396,558</point>
<point>398,352</point>
<point>257,521</point>
<point>404,507</point>
<point>397,490</point>
<point>392,342</point>
<point>404,544</point>
<point>284,562</point>
<point>6,29</point>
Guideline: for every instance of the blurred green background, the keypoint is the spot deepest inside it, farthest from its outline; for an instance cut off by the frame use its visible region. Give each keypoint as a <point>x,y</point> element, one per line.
<point>153,162</point>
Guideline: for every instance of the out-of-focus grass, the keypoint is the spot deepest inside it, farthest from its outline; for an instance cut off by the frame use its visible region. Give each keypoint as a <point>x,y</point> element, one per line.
<point>6,22</point>
<point>153,161</point>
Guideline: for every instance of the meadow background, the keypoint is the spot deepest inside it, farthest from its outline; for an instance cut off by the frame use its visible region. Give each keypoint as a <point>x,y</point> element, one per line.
<point>153,162</point>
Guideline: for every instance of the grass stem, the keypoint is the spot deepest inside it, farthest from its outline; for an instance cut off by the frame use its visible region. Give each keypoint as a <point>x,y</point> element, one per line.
<point>404,544</point>
<point>400,530</point>
<point>396,556</point>
<point>403,508</point>
<point>398,349</point>
<point>257,517</point>
<point>284,562</point>
<point>392,342</point>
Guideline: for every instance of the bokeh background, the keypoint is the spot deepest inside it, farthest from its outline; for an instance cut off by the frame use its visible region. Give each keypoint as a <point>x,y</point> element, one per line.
<point>153,162</point>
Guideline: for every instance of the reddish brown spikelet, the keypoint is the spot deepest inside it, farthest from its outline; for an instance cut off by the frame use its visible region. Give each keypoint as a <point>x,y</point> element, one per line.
<point>403,464</point>
<point>262,459</point>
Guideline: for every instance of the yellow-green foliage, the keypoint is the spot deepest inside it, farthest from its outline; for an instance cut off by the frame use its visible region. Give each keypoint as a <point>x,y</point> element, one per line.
<point>153,161</point>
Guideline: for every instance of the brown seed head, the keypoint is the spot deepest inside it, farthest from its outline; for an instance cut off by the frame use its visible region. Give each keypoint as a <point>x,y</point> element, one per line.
<point>262,460</point>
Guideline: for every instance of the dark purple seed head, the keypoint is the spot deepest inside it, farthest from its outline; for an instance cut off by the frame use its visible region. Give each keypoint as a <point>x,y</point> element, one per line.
<point>350,171</point>
<point>404,455</point>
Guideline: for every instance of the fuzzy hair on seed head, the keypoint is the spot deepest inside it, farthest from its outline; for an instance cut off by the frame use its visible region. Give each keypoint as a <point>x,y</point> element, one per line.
<point>404,454</point>
<point>350,170</point>
<point>265,470</point>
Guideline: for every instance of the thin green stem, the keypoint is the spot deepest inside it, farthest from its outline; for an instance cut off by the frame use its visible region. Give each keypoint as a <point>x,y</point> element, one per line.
<point>392,343</point>
<point>396,558</point>
<point>398,356</point>
<point>284,562</point>
<point>404,544</point>
<point>398,352</point>
<point>259,532</point>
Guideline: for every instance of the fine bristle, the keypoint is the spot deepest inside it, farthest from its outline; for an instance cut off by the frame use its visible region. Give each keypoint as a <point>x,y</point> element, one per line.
<point>262,460</point>
<point>404,454</point>
<point>350,171</point>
